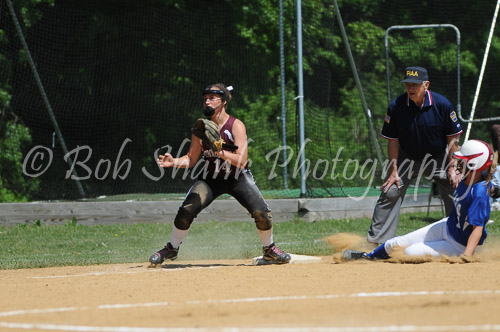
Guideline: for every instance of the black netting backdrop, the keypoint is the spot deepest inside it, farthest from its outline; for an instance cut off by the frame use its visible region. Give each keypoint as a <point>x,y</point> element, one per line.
<point>124,80</point>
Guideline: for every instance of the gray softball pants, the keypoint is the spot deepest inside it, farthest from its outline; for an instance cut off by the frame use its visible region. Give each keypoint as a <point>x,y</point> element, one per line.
<point>386,214</point>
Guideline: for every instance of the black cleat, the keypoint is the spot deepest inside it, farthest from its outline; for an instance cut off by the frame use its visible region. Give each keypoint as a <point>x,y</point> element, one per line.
<point>352,255</point>
<point>168,252</point>
<point>272,254</point>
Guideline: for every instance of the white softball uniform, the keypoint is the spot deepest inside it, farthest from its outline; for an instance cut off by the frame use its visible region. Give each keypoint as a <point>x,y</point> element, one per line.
<point>449,236</point>
<point>433,240</point>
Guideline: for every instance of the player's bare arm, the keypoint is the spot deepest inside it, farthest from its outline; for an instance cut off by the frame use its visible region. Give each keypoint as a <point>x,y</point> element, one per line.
<point>454,177</point>
<point>393,178</point>
<point>473,240</point>
<point>240,157</point>
<point>186,161</point>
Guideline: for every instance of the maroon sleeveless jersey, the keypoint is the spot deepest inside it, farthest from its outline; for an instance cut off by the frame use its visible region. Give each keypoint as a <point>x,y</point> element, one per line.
<point>216,166</point>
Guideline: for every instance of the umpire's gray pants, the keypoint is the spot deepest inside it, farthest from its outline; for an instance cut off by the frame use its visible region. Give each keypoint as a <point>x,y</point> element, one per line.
<point>386,214</point>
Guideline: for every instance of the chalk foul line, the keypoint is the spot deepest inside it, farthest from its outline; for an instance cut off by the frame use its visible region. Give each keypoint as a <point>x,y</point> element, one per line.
<point>391,328</point>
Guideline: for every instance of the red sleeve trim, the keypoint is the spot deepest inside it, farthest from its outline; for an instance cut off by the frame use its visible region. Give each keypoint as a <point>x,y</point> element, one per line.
<point>455,134</point>
<point>389,138</point>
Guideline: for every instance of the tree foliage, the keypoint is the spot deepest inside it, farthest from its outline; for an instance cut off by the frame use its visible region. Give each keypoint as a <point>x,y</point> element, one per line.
<point>112,62</point>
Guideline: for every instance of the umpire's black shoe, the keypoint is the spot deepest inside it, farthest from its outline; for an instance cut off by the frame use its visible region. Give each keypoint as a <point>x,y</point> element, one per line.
<point>351,255</point>
<point>168,252</point>
<point>272,253</point>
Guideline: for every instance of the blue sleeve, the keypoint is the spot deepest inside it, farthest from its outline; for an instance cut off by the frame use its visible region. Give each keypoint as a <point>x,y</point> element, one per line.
<point>389,129</point>
<point>452,126</point>
<point>479,210</point>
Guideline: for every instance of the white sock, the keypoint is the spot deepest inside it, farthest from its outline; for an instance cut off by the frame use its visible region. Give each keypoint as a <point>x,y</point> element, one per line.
<point>177,236</point>
<point>266,236</point>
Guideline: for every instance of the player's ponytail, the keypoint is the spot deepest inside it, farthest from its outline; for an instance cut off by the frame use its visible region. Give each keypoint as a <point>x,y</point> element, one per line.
<point>491,170</point>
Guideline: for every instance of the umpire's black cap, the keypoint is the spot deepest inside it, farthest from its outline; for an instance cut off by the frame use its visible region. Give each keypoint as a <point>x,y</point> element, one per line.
<point>415,75</point>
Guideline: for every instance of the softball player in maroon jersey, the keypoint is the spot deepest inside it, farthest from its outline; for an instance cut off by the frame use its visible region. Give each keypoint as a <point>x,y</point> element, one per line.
<point>226,173</point>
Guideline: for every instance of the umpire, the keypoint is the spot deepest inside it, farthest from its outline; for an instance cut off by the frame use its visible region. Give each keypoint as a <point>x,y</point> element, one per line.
<point>422,132</point>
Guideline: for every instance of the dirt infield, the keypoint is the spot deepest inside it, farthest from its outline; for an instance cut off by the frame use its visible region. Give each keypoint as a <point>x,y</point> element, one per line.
<point>236,296</point>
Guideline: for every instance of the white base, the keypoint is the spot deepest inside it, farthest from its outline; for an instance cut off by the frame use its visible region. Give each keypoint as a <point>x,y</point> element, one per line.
<point>295,259</point>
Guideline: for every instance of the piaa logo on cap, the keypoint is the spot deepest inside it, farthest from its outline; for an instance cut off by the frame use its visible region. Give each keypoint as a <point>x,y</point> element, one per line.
<point>412,73</point>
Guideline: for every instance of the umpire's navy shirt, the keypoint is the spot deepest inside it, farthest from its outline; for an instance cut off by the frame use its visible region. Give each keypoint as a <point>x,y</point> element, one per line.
<point>421,131</point>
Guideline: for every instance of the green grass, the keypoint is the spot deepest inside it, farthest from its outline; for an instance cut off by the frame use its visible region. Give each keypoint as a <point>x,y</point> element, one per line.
<point>36,245</point>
